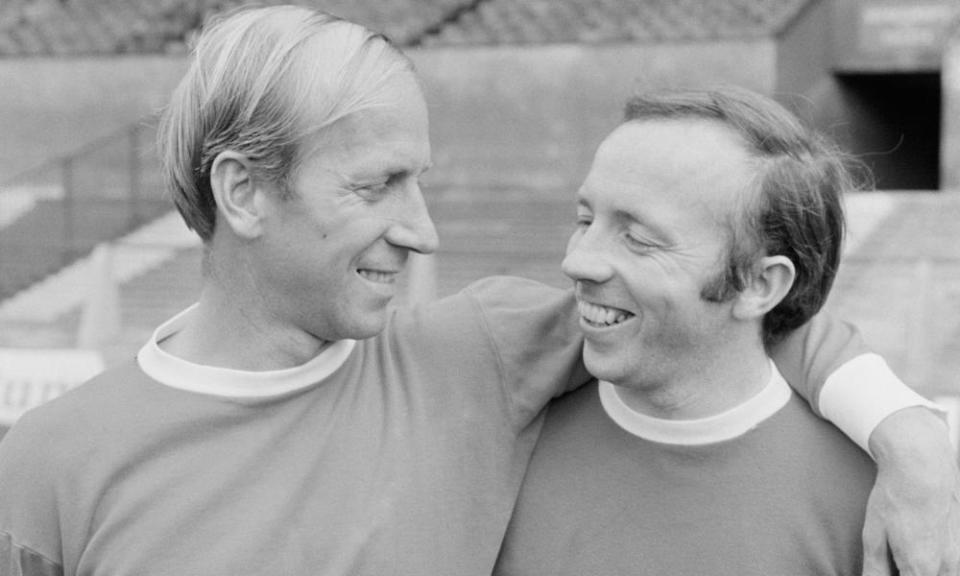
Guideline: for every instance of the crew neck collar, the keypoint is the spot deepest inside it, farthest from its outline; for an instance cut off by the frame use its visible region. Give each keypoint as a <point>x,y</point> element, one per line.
<point>215,381</point>
<point>718,428</point>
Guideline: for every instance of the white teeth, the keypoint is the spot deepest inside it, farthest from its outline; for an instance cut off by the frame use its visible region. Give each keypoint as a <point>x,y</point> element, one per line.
<point>601,315</point>
<point>379,277</point>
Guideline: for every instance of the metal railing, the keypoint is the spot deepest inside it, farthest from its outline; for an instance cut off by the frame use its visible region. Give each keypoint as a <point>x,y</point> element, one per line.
<point>56,212</point>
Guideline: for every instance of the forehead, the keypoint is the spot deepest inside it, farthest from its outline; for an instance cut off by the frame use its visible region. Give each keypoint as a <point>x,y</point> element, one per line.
<point>390,133</point>
<point>686,164</point>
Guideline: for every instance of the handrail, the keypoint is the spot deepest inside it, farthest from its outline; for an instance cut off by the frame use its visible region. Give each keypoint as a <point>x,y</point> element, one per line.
<point>104,186</point>
<point>90,147</point>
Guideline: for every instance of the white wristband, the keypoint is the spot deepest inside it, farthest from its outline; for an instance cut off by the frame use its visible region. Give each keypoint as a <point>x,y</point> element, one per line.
<point>860,394</point>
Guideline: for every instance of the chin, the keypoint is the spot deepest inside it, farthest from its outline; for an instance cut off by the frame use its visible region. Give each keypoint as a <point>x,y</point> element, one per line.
<point>601,367</point>
<point>347,325</point>
<point>370,325</point>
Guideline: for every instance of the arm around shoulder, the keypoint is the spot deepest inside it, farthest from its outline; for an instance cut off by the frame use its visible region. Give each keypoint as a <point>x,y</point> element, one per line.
<point>828,364</point>
<point>810,354</point>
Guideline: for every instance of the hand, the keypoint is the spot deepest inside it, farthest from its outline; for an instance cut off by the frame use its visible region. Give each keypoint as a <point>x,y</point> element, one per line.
<point>914,508</point>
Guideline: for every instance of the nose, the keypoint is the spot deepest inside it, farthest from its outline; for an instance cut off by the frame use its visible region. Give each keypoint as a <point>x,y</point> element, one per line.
<point>586,259</point>
<point>413,228</point>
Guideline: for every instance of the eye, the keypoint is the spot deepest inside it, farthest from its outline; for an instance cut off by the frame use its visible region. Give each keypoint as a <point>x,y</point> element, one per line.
<point>584,219</point>
<point>639,243</point>
<point>375,190</point>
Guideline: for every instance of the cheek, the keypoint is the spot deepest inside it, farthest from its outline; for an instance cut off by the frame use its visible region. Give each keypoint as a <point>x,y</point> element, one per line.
<point>716,288</point>
<point>654,282</point>
<point>669,302</point>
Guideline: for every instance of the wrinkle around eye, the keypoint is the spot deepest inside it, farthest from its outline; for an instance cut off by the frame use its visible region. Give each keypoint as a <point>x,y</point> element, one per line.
<point>641,244</point>
<point>372,192</point>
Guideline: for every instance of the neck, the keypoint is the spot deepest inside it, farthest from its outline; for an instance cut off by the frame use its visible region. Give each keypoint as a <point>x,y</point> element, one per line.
<point>701,390</point>
<point>232,330</point>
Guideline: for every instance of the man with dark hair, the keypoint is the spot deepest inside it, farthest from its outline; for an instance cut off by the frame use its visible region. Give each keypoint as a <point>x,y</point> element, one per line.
<point>291,422</point>
<point>709,227</point>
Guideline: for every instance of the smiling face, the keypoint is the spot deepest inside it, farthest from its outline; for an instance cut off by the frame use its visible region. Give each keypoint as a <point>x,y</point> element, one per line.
<point>651,233</point>
<point>330,258</point>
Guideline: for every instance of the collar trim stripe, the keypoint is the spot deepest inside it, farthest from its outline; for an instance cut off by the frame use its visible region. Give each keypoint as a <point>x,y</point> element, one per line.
<point>725,426</point>
<point>215,381</point>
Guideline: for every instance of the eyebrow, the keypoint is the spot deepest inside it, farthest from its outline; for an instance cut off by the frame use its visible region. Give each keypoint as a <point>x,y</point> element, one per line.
<point>624,216</point>
<point>389,169</point>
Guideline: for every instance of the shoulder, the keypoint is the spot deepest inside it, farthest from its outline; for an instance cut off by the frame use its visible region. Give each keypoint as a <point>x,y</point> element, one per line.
<point>46,461</point>
<point>577,403</point>
<point>817,445</point>
<point>112,387</point>
<point>510,290</point>
<point>500,295</point>
<point>800,418</point>
<point>57,428</point>
<point>578,417</point>
<point>506,297</point>
<point>501,308</point>
<point>527,316</point>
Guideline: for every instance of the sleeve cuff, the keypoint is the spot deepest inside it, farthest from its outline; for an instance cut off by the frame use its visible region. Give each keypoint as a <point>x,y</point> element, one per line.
<point>857,396</point>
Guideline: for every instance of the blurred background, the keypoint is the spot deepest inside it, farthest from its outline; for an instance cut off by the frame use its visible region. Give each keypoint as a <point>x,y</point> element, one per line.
<point>521,92</point>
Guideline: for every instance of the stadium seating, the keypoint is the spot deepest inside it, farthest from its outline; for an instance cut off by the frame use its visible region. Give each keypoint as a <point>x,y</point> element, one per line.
<point>60,27</point>
<point>85,27</point>
<point>607,21</point>
<point>27,257</point>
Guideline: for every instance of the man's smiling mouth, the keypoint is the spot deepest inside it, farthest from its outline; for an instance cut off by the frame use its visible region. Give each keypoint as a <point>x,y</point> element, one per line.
<point>378,276</point>
<point>601,316</point>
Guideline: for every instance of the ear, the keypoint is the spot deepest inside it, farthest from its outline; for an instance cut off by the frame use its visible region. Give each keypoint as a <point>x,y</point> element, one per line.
<point>769,283</point>
<point>239,205</point>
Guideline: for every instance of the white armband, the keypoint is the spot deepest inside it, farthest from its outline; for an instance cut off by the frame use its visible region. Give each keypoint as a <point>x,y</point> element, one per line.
<point>857,396</point>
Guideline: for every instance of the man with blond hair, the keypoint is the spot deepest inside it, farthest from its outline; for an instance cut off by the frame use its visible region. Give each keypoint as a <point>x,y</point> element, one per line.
<point>291,422</point>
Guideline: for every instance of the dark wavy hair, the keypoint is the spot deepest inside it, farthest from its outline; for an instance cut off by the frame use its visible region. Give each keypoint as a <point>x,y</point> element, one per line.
<point>795,209</point>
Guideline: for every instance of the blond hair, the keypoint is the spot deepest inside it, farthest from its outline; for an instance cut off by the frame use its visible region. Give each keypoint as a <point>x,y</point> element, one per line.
<point>261,81</point>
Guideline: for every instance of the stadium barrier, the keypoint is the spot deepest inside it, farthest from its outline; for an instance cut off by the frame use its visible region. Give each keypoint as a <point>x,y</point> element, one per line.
<point>59,211</point>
